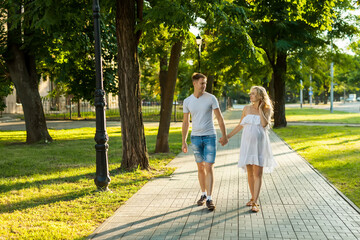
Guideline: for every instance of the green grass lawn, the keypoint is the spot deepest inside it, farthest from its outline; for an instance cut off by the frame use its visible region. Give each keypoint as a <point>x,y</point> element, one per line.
<point>47,191</point>
<point>334,151</point>
<point>321,115</point>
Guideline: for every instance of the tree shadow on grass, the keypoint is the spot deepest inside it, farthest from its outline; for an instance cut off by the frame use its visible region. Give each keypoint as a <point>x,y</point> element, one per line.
<point>27,160</point>
<point>70,179</point>
<point>40,183</point>
<point>34,202</point>
<point>345,141</point>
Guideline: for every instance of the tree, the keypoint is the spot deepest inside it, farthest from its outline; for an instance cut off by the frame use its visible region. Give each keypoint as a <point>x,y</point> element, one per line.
<point>279,28</point>
<point>71,57</point>
<point>229,54</point>
<point>20,56</point>
<point>6,86</point>
<point>167,24</point>
<point>42,41</point>
<point>167,86</point>
<point>128,12</point>
<point>276,29</point>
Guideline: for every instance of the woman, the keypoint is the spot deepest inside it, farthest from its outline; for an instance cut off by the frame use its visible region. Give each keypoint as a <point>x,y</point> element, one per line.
<point>255,149</point>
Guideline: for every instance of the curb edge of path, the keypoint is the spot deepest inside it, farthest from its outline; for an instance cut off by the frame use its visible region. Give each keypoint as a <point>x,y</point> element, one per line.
<point>356,208</point>
<point>324,123</point>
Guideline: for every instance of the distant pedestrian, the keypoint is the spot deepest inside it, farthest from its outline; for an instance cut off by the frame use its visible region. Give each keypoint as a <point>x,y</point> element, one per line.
<point>201,105</point>
<point>255,150</point>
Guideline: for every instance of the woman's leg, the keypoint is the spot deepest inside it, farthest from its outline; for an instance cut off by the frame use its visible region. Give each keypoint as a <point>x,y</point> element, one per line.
<point>250,174</point>
<point>258,172</point>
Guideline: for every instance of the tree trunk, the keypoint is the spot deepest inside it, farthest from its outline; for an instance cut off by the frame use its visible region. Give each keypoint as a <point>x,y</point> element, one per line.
<point>326,93</point>
<point>78,108</point>
<point>132,127</point>
<point>271,88</point>
<point>210,84</point>
<point>279,90</point>
<point>167,87</point>
<point>22,68</point>
<point>23,74</point>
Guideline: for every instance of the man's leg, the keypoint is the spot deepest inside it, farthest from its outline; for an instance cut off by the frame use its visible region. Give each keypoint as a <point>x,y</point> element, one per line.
<point>202,175</point>
<point>202,182</point>
<point>209,168</point>
<point>198,148</point>
<point>209,155</point>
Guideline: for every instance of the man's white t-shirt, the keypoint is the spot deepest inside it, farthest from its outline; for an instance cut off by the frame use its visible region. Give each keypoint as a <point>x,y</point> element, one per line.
<point>201,110</point>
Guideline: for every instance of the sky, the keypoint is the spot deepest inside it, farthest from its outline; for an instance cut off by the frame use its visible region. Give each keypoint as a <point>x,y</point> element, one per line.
<point>194,30</point>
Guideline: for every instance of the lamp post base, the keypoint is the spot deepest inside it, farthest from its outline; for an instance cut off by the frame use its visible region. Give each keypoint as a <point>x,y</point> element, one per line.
<point>103,189</point>
<point>102,186</point>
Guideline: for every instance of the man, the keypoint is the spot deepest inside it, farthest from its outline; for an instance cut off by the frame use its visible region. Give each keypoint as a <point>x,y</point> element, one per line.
<point>201,106</point>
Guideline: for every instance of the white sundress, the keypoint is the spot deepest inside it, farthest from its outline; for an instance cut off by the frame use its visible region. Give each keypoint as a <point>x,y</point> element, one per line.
<point>255,146</point>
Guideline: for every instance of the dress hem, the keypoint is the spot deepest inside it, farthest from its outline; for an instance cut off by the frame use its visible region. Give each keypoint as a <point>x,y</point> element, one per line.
<point>265,169</point>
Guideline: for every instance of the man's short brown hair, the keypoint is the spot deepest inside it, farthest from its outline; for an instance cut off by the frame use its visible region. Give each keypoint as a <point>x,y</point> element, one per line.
<point>196,76</point>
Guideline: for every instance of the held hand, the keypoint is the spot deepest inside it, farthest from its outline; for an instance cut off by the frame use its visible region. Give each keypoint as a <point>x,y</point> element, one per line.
<point>185,147</point>
<point>226,139</point>
<point>223,140</point>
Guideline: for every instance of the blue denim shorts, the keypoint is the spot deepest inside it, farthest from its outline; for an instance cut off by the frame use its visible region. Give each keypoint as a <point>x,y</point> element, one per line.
<point>204,148</point>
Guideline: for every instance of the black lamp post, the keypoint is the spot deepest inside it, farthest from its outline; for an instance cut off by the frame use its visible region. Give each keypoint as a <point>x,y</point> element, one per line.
<point>199,42</point>
<point>102,178</point>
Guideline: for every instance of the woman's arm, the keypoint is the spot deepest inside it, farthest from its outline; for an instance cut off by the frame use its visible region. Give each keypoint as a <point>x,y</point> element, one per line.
<point>238,127</point>
<point>235,131</point>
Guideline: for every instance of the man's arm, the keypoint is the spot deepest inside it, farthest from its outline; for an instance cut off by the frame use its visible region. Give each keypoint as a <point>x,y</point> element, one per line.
<point>223,140</point>
<point>185,131</point>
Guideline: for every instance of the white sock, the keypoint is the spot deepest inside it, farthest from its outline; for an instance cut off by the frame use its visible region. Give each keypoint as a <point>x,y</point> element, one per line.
<point>203,194</point>
<point>208,198</point>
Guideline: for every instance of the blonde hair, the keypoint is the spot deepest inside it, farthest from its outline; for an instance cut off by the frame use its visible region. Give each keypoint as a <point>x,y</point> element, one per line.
<point>264,97</point>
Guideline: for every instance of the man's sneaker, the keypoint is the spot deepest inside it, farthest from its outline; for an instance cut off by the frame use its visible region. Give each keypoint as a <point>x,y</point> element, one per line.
<point>210,205</point>
<point>202,200</point>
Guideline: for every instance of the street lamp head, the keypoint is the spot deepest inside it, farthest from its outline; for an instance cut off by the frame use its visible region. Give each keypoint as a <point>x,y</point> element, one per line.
<point>198,40</point>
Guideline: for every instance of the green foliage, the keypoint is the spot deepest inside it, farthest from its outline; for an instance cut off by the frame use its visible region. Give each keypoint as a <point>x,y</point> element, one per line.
<point>184,86</point>
<point>165,23</point>
<point>297,29</point>
<point>60,36</point>
<point>243,38</point>
<point>240,41</point>
<point>229,50</point>
<point>70,62</point>
<point>6,88</point>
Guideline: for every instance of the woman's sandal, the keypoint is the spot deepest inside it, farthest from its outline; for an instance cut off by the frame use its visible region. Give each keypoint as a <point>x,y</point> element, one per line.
<point>255,207</point>
<point>250,203</point>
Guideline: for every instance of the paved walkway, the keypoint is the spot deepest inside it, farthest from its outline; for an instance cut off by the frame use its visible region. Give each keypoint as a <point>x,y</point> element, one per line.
<point>296,202</point>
